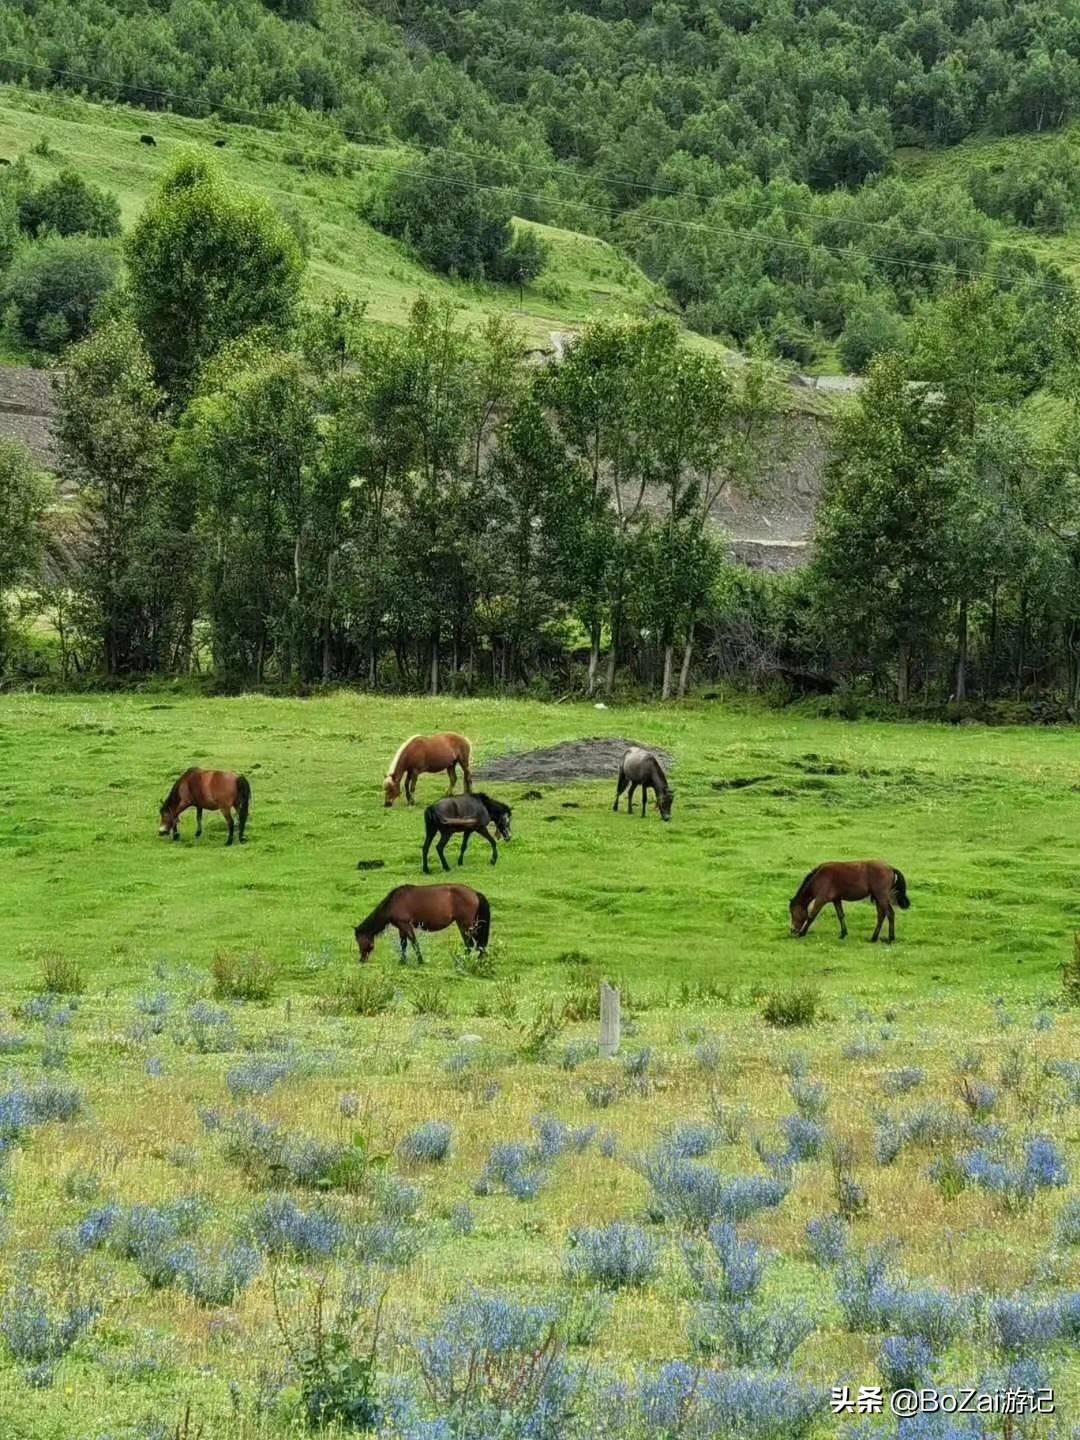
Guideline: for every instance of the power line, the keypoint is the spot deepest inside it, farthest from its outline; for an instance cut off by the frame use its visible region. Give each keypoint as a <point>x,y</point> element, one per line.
<point>700,227</point>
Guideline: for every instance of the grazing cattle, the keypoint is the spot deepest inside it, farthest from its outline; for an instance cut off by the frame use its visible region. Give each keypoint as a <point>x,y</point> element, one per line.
<point>641,767</point>
<point>147,140</point>
<point>470,815</point>
<point>424,755</point>
<point>206,790</point>
<point>841,880</point>
<point>410,908</point>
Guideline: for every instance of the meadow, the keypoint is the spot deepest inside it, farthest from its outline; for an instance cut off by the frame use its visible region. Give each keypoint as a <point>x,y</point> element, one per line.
<point>250,1190</point>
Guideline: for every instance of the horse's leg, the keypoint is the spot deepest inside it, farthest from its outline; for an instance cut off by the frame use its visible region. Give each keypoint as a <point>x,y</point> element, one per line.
<point>227,812</point>
<point>466,836</point>
<point>429,836</point>
<point>176,822</point>
<point>630,798</point>
<point>491,841</point>
<point>891,913</point>
<point>410,787</point>
<point>403,939</point>
<point>644,798</point>
<point>451,771</point>
<point>620,786</point>
<point>880,919</point>
<point>416,945</point>
<point>198,821</point>
<point>816,907</point>
<point>840,916</point>
<point>440,848</point>
<point>466,776</point>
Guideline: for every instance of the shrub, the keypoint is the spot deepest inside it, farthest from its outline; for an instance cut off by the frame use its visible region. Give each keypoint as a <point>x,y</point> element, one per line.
<point>1020,1325</point>
<point>1016,1183</point>
<point>61,975</point>
<point>209,1030</point>
<point>428,1144</point>
<point>268,1154</point>
<point>729,1269</point>
<point>462,1220</point>
<point>248,976</point>
<point>616,1256</point>
<point>257,1077</point>
<point>683,1399</point>
<point>900,1082</point>
<point>696,1195</point>
<point>1068,1226</point>
<point>1070,974</point>
<point>281,1227</point>
<point>514,1167</point>
<point>905,1362</point>
<point>748,1334</point>
<point>36,1334</point>
<point>359,992</point>
<point>69,205</point>
<point>55,288</point>
<point>979,1097</point>
<point>829,1240</point>
<point>805,1138</point>
<point>794,1007</point>
<point>215,1276</point>
<point>810,1097</point>
<point>691,1142</point>
<point>429,997</point>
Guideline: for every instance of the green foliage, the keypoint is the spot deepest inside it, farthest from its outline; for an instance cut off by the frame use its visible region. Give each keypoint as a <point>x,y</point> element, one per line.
<point>797,1006</point>
<point>242,976</point>
<point>207,264</point>
<point>359,992</point>
<point>1070,974</point>
<point>61,974</point>
<point>24,498</point>
<point>55,288</point>
<point>69,206</point>
<point>871,330</point>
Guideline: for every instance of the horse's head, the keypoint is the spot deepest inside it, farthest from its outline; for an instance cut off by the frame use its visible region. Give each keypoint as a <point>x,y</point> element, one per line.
<point>365,944</point>
<point>391,790</point>
<point>502,822</point>
<point>799,916</point>
<point>166,818</point>
<point>667,799</point>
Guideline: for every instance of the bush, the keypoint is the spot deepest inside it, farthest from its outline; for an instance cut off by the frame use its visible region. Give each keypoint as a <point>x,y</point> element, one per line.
<point>55,288</point>
<point>242,977</point>
<point>788,1008</point>
<point>696,1195</point>
<point>36,1335</point>
<point>257,1077</point>
<point>69,205</point>
<point>359,992</point>
<point>616,1256</point>
<point>428,1144</point>
<point>61,975</point>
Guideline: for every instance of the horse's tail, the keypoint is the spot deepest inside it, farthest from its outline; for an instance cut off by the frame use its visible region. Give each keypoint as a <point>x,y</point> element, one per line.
<point>431,820</point>
<point>900,890</point>
<point>243,798</point>
<point>466,763</point>
<point>481,930</point>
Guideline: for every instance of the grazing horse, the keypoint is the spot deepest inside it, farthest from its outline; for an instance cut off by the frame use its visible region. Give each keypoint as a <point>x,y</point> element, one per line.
<point>469,814</point>
<point>641,767</point>
<point>410,908</point>
<point>423,755</point>
<point>842,880</point>
<point>206,790</point>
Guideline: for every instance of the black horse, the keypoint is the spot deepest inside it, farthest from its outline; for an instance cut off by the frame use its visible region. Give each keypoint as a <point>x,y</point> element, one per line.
<point>641,767</point>
<point>471,814</point>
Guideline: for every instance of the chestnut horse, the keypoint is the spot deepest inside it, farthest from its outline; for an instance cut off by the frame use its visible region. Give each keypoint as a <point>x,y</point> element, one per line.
<point>423,755</point>
<point>841,880</point>
<point>206,790</point>
<point>410,908</point>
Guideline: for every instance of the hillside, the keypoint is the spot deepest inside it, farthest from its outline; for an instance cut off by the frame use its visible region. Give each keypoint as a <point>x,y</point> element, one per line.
<point>585,276</point>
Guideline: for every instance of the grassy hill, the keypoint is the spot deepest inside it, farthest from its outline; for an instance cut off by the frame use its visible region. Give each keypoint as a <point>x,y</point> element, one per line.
<point>585,276</point>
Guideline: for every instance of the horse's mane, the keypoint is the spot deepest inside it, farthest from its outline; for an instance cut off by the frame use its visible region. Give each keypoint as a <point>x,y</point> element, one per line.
<point>496,807</point>
<point>805,885</point>
<point>400,751</point>
<point>660,772</point>
<point>174,794</point>
<point>377,921</point>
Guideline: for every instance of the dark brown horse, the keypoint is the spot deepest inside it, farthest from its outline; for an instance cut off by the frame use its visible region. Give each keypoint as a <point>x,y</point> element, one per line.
<point>410,908</point>
<point>842,880</point>
<point>466,815</point>
<point>221,790</point>
<point>424,755</point>
<point>641,767</point>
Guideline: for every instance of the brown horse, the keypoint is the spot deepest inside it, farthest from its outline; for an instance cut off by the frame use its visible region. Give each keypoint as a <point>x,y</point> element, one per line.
<point>410,908</point>
<point>206,790</point>
<point>841,880</point>
<point>424,755</point>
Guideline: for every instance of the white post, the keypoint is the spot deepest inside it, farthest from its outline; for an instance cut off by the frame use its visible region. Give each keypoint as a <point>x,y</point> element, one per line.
<point>609,1020</point>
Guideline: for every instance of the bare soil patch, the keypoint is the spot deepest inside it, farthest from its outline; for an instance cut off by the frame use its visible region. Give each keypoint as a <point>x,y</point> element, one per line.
<point>594,759</point>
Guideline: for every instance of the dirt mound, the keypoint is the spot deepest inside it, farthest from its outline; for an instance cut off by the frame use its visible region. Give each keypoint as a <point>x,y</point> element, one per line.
<point>595,759</point>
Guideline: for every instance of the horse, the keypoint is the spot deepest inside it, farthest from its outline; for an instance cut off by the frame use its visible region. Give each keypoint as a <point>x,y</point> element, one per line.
<point>469,814</point>
<point>641,767</point>
<point>206,790</point>
<point>841,880</point>
<point>427,907</point>
<point>423,755</point>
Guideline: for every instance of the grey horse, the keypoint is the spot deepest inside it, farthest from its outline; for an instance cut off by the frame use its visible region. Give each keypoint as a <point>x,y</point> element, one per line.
<point>641,767</point>
<point>469,814</point>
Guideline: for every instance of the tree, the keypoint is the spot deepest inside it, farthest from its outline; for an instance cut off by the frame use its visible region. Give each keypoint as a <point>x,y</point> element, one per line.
<point>136,569</point>
<point>888,527</point>
<point>872,329</point>
<point>55,289</point>
<point>24,497</point>
<point>69,205</point>
<point>207,263</point>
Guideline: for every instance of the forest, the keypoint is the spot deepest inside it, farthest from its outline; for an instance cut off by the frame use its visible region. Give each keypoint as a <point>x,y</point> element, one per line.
<point>744,153</point>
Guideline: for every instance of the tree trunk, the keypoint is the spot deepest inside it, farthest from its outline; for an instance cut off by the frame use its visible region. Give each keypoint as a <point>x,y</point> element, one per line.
<point>960,691</point>
<point>613,653</point>
<point>433,686</point>
<point>669,668</point>
<point>903,676</point>
<point>684,673</point>
<point>327,618</point>
<point>594,655</point>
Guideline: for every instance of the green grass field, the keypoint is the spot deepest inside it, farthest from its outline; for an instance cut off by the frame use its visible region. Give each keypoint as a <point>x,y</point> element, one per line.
<point>690,919</point>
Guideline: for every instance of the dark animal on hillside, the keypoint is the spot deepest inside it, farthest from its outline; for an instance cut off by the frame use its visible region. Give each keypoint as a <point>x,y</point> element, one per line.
<point>221,144</point>
<point>222,790</point>
<point>410,908</point>
<point>424,755</point>
<point>471,815</point>
<point>841,880</point>
<point>4,161</point>
<point>641,767</point>
<point>147,140</point>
